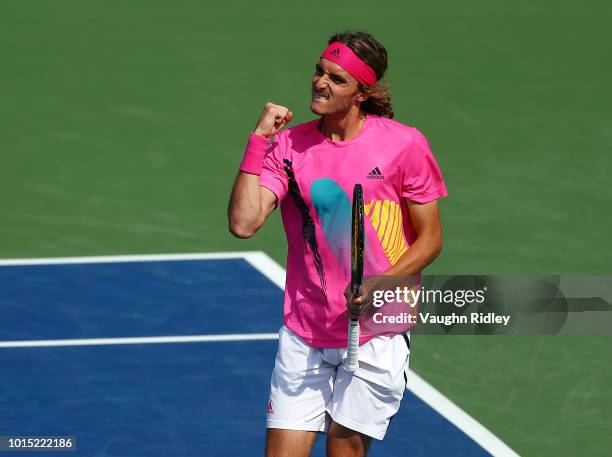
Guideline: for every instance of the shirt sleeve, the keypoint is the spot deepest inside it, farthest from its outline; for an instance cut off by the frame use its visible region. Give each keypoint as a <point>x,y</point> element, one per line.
<point>273,175</point>
<point>422,180</point>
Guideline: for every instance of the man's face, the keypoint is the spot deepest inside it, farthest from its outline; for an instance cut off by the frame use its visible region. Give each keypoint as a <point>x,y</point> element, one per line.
<point>333,89</point>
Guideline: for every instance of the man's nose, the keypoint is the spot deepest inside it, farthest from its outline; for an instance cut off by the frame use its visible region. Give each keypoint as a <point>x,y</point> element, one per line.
<point>321,82</point>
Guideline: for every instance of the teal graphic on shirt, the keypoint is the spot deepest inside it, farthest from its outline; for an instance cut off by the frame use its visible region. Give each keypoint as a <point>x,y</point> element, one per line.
<point>334,209</point>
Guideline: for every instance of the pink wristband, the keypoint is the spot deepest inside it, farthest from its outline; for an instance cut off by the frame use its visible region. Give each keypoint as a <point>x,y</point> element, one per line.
<point>254,154</point>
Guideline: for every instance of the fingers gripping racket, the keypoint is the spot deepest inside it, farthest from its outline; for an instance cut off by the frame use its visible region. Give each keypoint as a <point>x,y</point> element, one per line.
<point>356,274</point>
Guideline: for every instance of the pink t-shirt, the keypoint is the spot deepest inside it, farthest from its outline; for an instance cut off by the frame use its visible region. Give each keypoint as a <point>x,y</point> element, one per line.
<point>313,178</point>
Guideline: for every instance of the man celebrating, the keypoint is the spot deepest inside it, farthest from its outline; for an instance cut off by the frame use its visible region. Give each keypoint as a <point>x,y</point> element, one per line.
<point>310,170</point>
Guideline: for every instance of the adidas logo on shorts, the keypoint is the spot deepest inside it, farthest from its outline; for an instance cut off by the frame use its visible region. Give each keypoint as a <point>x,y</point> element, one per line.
<point>375,174</point>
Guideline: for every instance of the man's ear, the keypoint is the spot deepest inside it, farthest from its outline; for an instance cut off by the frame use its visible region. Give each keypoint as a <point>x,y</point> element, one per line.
<point>362,97</point>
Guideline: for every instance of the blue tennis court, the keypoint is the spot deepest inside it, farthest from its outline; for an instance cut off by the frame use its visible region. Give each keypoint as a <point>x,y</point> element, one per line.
<point>170,355</point>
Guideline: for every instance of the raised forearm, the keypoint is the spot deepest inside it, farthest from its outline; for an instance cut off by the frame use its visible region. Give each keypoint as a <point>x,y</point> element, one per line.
<point>250,204</point>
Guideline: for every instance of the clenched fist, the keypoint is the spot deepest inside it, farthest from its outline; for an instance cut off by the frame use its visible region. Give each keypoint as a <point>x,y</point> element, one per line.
<point>273,118</point>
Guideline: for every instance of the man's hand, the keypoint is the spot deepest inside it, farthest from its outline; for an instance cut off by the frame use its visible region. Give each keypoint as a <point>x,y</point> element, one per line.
<point>362,303</point>
<point>273,118</point>
<point>358,304</point>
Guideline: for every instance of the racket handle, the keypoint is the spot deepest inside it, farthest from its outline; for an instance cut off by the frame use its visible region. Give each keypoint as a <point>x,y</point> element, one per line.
<point>353,345</point>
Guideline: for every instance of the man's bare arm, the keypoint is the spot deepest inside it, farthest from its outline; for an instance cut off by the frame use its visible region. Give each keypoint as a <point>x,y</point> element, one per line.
<point>250,204</point>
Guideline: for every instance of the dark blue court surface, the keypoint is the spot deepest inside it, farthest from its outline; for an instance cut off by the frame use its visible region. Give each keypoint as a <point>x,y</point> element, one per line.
<point>179,399</point>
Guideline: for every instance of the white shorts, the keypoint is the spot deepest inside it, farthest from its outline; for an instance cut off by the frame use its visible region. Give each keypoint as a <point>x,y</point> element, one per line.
<point>308,382</point>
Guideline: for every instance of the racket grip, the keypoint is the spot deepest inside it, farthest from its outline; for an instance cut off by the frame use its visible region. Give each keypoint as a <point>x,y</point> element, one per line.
<point>353,345</point>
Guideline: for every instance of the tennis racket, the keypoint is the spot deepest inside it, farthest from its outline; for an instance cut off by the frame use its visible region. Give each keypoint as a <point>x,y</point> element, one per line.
<point>356,275</point>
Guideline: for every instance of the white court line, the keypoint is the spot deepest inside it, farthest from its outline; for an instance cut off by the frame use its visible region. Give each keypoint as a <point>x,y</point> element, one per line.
<point>139,340</point>
<point>458,417</point>
<point>267,267</point>
<point>273,271</point>
<point>129,258</point>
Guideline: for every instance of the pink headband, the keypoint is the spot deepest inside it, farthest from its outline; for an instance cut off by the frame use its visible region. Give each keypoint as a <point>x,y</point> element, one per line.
<point>344,56</point>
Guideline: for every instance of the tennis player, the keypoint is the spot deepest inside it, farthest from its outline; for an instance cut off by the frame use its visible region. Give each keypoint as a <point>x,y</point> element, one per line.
<point>310,170</point>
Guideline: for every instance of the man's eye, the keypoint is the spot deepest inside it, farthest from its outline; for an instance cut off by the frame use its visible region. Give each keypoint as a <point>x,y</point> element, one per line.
<point>318,71</point>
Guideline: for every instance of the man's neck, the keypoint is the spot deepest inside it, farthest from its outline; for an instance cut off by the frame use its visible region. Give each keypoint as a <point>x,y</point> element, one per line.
<point>343,127</point>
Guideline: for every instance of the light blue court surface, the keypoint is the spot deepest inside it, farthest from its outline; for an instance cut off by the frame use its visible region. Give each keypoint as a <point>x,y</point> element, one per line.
<point>156,397</point>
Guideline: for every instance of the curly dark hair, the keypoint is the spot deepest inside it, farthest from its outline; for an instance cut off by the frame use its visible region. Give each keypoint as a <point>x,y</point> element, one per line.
<point>373,53</point>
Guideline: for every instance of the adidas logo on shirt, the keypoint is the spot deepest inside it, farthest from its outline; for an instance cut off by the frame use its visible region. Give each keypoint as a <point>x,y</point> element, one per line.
<point>375,174</point>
